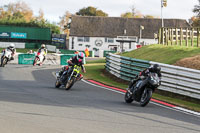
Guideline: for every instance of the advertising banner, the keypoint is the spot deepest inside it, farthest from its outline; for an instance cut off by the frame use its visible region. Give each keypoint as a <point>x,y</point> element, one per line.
<point>26,58</point>
<point>4,34</point>
<point>18,35</point>
<point>58,40</point>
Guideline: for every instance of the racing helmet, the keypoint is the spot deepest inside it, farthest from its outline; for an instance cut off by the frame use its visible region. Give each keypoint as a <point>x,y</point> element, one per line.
<point>43,46</point>
<point>12,46</point>
<point>80,56</point>
<point>156,68</point>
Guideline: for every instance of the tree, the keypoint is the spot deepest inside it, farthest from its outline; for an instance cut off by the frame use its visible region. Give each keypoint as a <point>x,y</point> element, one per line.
<point>65,23</point>
<point>127,15</point>
<point>19,14</point>
<point>131,15</point>
<point>91,11</point>
<point>197,9</point>
<point>196,19</point>
<point>17,10</point>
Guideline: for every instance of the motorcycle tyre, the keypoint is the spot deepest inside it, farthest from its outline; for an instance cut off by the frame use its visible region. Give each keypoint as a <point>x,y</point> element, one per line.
<point>67,87</point>
<point>128,98</point>
<point>3,62</point>
<point>57,84</point>
<point>147,99</point>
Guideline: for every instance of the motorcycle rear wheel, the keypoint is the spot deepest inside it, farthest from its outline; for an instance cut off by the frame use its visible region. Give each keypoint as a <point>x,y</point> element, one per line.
<point>128,97</point>
<point>57,84</point>
<point>146,97</point>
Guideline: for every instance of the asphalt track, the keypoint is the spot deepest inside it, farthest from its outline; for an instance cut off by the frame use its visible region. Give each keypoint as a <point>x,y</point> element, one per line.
<point>29,103</point>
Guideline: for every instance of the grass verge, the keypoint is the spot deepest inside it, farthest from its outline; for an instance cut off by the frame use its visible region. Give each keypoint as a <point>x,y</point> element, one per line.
<point>95,72</point>
<point>162,53</point>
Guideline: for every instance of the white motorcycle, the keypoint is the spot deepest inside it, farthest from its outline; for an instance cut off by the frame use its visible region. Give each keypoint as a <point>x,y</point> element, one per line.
<point>5,57</point>
<point>39,58</point>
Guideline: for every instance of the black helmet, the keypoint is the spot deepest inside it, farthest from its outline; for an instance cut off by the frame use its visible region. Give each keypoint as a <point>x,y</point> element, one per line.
<point>156,68</point>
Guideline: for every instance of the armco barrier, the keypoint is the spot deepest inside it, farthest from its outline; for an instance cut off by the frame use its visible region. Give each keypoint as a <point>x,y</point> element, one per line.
<point>178,80</point>
<point>124,67</point>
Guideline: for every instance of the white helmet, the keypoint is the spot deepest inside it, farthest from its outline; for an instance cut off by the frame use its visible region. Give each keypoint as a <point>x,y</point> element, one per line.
<point>12,45</point>
<point>43,46</point>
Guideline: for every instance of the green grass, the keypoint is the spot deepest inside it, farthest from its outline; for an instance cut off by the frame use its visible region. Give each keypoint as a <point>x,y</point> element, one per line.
<point>162,53</point>
<point>95,72</point>
<point>96,61</point>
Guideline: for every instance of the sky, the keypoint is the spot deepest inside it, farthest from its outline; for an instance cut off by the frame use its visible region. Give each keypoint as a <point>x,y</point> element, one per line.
<point>53,9</point>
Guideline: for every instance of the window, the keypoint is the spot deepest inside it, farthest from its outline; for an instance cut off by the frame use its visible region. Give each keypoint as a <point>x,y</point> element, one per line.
<point>83,39</point>
<point>80,44</point>
<point>80,39</point>
<point>109,40</point>
<point>86,39</point>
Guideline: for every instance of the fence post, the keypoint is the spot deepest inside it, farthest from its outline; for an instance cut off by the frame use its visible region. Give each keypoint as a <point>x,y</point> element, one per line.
<point>176,36</point>
<point>187,37</point>
<point>163,37</point>
<point>192,37</point>
<point>181,37</point>
<point>168,35</point>
<point>159,37</point>
<point>197,37</point>
<point>172,36</point>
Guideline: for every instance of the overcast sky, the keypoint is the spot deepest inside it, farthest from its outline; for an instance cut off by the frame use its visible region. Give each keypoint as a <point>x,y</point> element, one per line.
<point>181,9</point>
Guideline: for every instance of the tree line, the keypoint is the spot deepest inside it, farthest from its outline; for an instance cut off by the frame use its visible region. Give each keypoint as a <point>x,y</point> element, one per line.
<point>20,14</point>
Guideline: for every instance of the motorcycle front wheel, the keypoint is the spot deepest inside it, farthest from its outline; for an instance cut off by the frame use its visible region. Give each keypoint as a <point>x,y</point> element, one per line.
<point>128,97</point>
<point>35,61</point>
<point>70,83</point>
<point>3,61</point>
<point>146,97</point>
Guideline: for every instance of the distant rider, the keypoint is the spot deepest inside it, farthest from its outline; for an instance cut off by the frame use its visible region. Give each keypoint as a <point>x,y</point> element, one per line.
<point>11,47</point>
<point>43,49</point>
<point>75,60</point>
<point>155,68</point>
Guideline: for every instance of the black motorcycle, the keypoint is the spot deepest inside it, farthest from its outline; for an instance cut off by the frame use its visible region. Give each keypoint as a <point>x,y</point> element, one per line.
<point>142,90</point>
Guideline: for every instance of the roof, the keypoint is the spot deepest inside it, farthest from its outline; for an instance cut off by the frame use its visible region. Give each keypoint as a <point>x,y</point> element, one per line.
<point>115,26</point>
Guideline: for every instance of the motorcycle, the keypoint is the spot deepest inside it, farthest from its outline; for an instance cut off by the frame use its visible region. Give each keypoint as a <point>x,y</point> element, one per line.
<point>5,57</point>
<point>143,89</point>
<point>68,78</point>
<point>39,58</point>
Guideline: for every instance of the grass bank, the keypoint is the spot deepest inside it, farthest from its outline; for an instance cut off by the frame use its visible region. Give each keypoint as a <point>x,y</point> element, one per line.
<point>162,53</point>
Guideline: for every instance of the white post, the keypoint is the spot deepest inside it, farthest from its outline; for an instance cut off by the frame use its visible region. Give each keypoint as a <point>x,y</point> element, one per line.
<point>162,13</point>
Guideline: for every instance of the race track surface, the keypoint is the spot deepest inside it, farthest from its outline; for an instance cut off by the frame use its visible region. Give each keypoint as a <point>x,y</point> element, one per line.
<point>29,103</point>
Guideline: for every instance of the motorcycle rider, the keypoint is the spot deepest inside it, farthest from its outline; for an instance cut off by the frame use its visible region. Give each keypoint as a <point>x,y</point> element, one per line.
<point>155,68</point>
<point>11,47</point>
<point>43,49</point>
<point>75,60</point>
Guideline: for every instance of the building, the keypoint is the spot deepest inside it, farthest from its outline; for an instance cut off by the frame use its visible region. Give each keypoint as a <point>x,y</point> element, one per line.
<point>115,33</point>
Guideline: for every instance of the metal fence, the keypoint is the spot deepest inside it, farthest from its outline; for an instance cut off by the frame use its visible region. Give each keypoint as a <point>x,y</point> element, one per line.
<point>178,80</point>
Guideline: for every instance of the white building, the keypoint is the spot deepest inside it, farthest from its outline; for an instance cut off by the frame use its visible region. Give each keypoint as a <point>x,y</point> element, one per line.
<point>115,33</point>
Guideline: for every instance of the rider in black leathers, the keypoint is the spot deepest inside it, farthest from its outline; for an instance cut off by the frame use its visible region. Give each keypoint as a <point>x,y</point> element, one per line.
<point>155,68</point>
